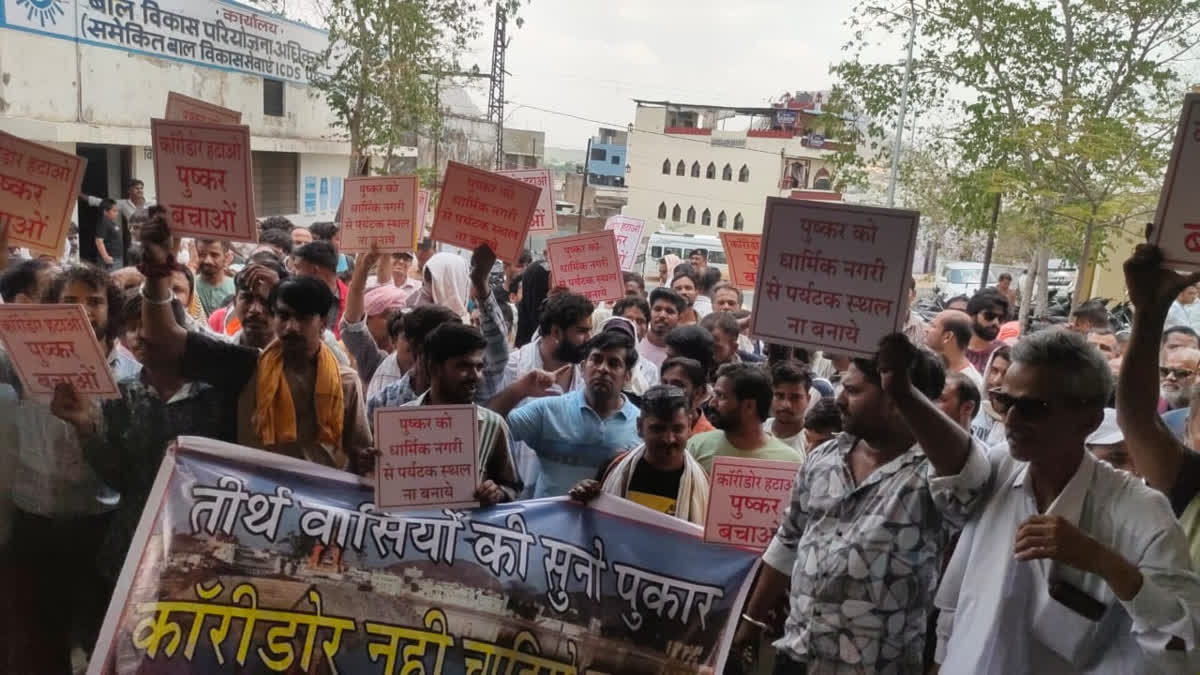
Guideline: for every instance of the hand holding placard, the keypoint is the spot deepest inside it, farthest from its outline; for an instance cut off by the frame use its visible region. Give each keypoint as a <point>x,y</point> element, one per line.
<point>53,344</point>
<point>1177,230</point>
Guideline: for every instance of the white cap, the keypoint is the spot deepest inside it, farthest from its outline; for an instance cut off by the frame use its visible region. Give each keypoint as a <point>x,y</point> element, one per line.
<point>1109,433</point>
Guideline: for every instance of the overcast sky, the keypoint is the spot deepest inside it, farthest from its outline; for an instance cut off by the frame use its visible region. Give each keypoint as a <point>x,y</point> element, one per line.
<point>591,59</point>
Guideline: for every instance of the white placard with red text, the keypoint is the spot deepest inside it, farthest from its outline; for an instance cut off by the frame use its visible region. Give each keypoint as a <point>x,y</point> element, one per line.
<point>49,344</point>
<point>182,108</point>
<point>587,264</point>
<point>833,276</point>
<point>38,189</point>
<point>741,250</point>
<point>427,456</point>
<point>203,176</point>
<point>1177,223</point>
<point>628,231</point>
<point>480,207</point>
<point>544,216</point>
<point>380,210</point>
<point>746,499</point>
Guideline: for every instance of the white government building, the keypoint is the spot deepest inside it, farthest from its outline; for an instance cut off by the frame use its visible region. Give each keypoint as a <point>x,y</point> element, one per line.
<point>687,174</point>
<point>86,76</point>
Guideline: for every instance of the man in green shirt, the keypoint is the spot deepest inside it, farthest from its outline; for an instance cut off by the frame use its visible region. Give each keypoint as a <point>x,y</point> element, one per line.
<point>212,285</point>
<point>741,402</point>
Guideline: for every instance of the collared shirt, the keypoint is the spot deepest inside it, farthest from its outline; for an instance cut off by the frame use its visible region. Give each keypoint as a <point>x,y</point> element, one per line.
<point>864,559</point>
<point>394,395</point>
<point>998,616</point>
<point>570,439</point>
<point>132,440</point>
<point>387,373</point>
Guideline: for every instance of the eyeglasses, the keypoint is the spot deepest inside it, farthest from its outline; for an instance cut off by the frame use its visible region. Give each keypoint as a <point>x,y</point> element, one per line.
<point>1028,407</point>
<point>1179,373</point>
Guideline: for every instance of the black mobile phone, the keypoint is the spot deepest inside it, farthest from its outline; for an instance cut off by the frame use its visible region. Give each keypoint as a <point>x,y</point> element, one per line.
<point>1077,600</point>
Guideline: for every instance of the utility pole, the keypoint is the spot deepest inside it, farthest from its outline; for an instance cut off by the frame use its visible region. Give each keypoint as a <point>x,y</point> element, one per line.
<point>908,63</point>
<point>587,158</point>
<point>991,244</point>
<point>496,93</point>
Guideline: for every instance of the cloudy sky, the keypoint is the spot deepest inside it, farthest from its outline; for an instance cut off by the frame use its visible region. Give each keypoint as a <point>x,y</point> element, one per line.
<point>590,59</point>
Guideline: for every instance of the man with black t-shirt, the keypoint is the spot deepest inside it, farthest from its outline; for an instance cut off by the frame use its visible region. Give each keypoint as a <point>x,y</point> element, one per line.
<point>658,474</point>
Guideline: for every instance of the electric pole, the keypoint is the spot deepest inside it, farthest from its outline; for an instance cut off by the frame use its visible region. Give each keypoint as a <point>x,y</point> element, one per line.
<point>496,93</point>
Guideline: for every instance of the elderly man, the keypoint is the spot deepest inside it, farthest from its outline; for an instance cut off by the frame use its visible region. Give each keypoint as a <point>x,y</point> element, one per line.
<point>1107,443</point>
<point>1072,566</point>
<point>1176,375</point>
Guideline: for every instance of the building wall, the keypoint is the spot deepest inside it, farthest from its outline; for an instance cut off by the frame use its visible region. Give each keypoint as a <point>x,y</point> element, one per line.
<point>606,167</point>
<point>649,187</point>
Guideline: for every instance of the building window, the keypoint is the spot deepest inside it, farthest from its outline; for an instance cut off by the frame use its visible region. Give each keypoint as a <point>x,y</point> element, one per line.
<point>691,217</point>
<point>695,169</point>
<point>680,168</point>
<point>822,181</point>
<point>666,167</point>
<point>675,214</point>
<point>599,154</point>
<point>616,160</point>
<point>738,223</point>
<point>276,179</point>
<point>711,173</point>
<point>744,174</point>
<point>706,218</point>
<point>272,98</point>
<point>721,220</point>
<point>662,211</point>
<point>727,173</point>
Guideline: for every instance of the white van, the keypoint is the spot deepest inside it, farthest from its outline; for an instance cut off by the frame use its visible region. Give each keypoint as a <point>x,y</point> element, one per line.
<point>662,244</point>
<point>962,278</point>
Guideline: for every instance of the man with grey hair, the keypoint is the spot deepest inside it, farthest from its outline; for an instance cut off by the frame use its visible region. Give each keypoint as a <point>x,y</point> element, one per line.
<point>1072,566</point>
<point>1176,375</point>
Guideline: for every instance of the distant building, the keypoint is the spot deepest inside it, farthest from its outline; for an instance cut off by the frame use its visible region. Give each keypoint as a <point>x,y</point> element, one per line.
<point>686,173</point>
<point>606,164</point>
<point>524,149</point>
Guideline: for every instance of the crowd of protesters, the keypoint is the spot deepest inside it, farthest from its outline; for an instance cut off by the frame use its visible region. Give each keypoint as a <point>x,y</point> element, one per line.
<point>973,498</point>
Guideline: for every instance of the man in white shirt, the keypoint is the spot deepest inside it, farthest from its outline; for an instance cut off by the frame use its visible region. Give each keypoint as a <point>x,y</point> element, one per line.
<point>790,382</point>
<point>949,334</point>
<point>1185,311</point>
<point>1071,566</point>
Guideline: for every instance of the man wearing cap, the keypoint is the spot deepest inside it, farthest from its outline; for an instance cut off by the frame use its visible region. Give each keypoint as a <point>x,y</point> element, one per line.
<point>1107,443</point>
<point>364,325</point>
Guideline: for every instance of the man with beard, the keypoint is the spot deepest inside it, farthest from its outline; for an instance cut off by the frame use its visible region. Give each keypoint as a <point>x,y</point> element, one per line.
<point>658,474</point>
<point>577,433</point>
<point>563,331</point>
<point>292,398</point>
<point>871,514</point>
<point>213,286</point>
<point>741,402</point>
<point>665,307</point>
<point>988,309</point>
<point>62,508</point>
<point>453,359</point>
<point>1177,374</point>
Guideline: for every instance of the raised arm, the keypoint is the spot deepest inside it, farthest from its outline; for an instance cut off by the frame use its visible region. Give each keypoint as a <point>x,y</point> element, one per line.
<point>358,340</point>
<point>163,334</point>
<point>1156,453</point>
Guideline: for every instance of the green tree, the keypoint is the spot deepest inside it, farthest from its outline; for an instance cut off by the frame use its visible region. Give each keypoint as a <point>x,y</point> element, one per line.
<point>1057,104</point>
<point>381,71</point>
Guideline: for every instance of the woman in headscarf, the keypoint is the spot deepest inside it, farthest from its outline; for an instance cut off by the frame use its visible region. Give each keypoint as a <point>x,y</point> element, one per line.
<point>447,283</point>
<point>535,286</point>
<point>666,267</point>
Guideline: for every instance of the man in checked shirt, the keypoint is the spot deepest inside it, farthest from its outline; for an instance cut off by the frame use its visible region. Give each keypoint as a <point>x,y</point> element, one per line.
<point>870,517</point>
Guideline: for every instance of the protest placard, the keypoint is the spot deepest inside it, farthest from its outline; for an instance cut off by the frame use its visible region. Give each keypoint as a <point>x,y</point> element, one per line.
<point>203,175</point>
<point>427,456</point>
<point>544,217</point>
<point>480,207</point>
<point>182,108</point>
<point>310,576</point>
<point>380,210</point>
<point>746,500</point>
<point>1177,223</point>
<point>628,232</point>
<point>423,212</point>
<point>49,344</point>
<point>38,189</point>
<point>587,264</point>
<point>741,250</point>
<point>833,276</point>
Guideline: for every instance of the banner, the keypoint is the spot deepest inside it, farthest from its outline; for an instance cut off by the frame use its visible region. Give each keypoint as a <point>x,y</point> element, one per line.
<point>481,207</point>
<point>38,188</point>
<point>182,108</point>
<point>247,561</point>
<point>587,264</point>
<point>741,250</point>
<point>204,178</point>
<point>1177,224</point>
<point>628,231</point>
<point>380,210</point>
<point>747,499</point>
<point>544,217</point>
<point>53,344</point>
<point>833,276</point>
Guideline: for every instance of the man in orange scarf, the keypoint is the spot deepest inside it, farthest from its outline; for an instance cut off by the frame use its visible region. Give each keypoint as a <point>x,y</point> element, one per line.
<point>293,398</point>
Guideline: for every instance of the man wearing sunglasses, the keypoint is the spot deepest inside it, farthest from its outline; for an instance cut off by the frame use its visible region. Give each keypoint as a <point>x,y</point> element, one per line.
<point>1072,566</point>
<point>988,309</point>
<point>1177,375</point>
<point>870,519</point>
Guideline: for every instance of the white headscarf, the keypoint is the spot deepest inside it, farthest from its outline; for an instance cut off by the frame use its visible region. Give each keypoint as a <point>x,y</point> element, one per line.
<point>451,283</point>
